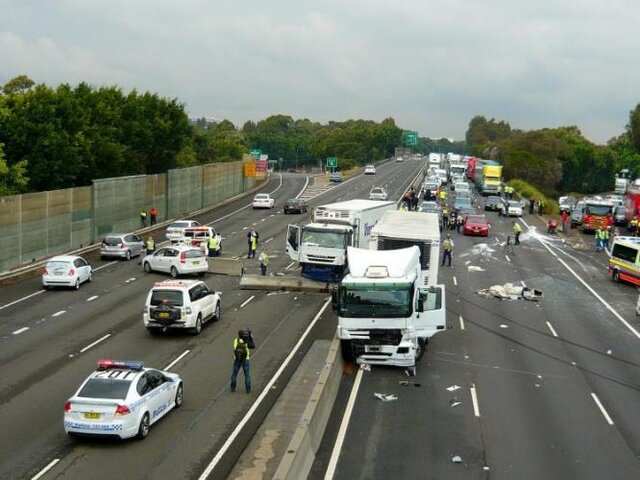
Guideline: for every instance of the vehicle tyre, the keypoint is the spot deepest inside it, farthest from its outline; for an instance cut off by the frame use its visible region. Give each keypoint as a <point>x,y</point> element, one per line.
<point>90,279</point>
<point>154,331</point>
<point>46,287</point>
<point>146,267</point>
<point>347,351</point>
<point>201,274</point>
<point>102,257</point>
<point>174,272</point>
<point>77,285</point>
<point>128,255</point>
<point>198,328</point>
<point>143,429</point>
<point>422,348</point>
<point>216,313</point>
<point>615,276</point>
<point>179,400</point>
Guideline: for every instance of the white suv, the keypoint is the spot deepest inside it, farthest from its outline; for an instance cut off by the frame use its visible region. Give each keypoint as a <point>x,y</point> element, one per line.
<point>175,231</point>
<point>177,260</point>
<point>180,304</point>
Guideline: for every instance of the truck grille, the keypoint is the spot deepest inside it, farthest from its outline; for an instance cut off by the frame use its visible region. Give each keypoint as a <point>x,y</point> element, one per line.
<point>321,258</point>
<point>376,336</point>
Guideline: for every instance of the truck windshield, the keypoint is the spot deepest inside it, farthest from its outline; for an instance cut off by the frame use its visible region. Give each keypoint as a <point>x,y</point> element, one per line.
<point>323,238</point>
<point>591,209</point>
<point>370,300</point>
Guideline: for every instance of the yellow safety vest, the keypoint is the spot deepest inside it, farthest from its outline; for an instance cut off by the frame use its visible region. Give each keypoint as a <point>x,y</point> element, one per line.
<point>235,345</point>
<point>151,245</point>
<point>213,243</point>
<point>517,229</point>
<point>264,258</point>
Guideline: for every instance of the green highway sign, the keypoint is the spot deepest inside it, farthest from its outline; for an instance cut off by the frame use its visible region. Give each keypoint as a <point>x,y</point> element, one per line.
<point>411,139</point>
<point>332,162</point>
<point>255,152</point>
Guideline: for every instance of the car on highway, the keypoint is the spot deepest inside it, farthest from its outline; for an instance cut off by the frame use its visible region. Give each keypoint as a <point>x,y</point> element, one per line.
<point>295,205</point>
<point>370,170</point>
<point>378,193</point>
<point>619,216</point>
<point>180,305</point>
<point>510,208</point>
<point>476,225</point>
<point>577,213</point>
<point>493,203</point>
<point>335,177</point>
<point>263,200</point>
<point>462,202</point>
<point>66,271</point>
<point>399,159</point>
<point>430,188</point>
<point>429,207</point>
<point>461,187</point>
<point>122,399</point>
<point>175,231</point>
<point>121,245</point>
<point>177,260</point>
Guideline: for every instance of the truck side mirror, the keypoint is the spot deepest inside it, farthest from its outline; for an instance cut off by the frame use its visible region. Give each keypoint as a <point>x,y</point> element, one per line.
<point>334,300</point>
<point>420,305</point>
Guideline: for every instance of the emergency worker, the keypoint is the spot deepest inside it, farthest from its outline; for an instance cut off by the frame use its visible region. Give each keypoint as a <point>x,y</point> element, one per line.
<point>213,246</point>
<point>517,230</point>
<point>605,238</point>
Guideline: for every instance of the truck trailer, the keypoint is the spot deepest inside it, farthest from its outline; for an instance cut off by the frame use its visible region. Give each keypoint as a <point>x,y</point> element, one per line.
<point>385,312</point>
<point>491,178</point>
<point>321,246</point>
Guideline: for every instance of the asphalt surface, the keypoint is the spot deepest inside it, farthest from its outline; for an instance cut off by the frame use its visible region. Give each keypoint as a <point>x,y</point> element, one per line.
<point>556,382</point>
<point>51,340</point>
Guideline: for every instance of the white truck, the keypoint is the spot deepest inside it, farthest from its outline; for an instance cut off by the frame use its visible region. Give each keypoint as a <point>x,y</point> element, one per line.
<point>321,246</point>
<point>389,304</point>
<point>621,185</point>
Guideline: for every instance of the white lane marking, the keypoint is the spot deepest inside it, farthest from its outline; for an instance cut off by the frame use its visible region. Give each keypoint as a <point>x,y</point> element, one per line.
<point>57,314</point>
<point>104,266</point>
<point>289,266</point>
<point>268,240</point>
<point>129,280</point>
<point>263,220</point>
<point>245,228</point>
<point>337,447</point>
<point>602,410</point>
<point>20,330</point>
<point>455,281</point>
<point>231,438</point>
<point>95,343</point>
<point>474,400</point>
<point>51,464</point>
<point>523,284</point>
<point>21,299</point>
<point>593,292</point>
<point>306,183</point>
<point>247,300</point>
<point>461,322</point>
<point>552,329</point>
<point>180,357</point>
<point>91,299</point>
<point>507,257</point>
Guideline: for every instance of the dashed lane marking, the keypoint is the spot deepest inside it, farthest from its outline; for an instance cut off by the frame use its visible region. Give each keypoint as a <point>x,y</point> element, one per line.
<point>20,330</point>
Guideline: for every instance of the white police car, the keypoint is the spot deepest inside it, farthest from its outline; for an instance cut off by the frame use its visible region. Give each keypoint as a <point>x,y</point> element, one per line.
<point>122,399</point>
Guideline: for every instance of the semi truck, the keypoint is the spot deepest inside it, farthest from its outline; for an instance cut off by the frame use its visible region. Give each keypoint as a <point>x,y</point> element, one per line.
<point>471,168</point>
<point>491,178</point>
<point>632,201</point>
<point>389,304</point>
<point>320,247</point>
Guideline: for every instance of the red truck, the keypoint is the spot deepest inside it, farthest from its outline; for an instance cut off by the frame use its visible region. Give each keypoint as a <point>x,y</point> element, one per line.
<point>471,169</point>
<point>597,214</point>
<point>632,201</point>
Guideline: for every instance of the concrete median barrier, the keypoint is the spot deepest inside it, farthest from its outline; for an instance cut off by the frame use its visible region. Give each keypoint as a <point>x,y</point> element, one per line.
<point>276,283</point>
<point>226,266</point>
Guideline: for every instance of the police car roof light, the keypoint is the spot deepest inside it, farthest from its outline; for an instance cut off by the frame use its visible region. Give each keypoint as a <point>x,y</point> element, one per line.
<point>169,283</point>
<point>107,363</point>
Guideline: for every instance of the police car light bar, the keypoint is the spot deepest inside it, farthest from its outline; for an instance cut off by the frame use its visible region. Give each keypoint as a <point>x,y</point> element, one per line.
<point>107,363</point>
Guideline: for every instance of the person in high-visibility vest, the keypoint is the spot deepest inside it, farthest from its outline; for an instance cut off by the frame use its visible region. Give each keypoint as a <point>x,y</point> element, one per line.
<point>263,258</point>
<point>151,245</point>
<point>598,239</point>
<point>252,241</point>
<point>517,230</point>
<point>605,238</point>
<point>214,250</point>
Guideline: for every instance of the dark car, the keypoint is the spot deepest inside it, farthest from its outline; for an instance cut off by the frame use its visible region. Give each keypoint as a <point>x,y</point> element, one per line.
<point>462,202</point>
<point>295,205</point>
<point>577,213</point>
<point>493,203</point>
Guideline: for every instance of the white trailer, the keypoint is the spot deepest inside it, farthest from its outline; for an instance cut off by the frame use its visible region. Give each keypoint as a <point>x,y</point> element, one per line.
<point>385,313</point>
<point>398,229</point>
<point>321,246</point>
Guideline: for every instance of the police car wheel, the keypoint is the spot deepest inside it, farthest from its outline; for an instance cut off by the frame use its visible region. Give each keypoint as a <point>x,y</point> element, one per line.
<point>198,328</point>
<point>147,267</point>
<point>179,396</point>
<point>143,429</point>
<point>216,315</point>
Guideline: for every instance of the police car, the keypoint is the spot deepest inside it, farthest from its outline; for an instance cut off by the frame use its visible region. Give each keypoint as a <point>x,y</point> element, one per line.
<point>183,304</point>
<point>122,399</point>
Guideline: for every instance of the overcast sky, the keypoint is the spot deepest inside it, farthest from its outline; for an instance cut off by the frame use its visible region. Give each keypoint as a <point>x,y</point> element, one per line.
<point>431,65</point>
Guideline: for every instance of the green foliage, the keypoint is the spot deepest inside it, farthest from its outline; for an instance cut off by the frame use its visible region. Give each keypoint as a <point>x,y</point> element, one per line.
<point>19,84</point>
<point>634,128</point>
<point>530,192</point>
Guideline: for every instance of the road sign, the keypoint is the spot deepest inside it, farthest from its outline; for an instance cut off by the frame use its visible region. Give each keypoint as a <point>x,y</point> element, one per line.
<point>411,139</point>
<point>332,162</point>
<point>250,169</point>
<point>255,153</point>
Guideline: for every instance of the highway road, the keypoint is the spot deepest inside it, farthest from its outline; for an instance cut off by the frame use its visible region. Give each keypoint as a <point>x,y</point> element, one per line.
<point>51,340</point>
<point>513,389</point>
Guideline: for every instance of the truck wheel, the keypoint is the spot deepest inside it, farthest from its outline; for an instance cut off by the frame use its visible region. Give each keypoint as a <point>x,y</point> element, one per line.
<point>347,351</point>
<point>615,276</point>
<point>422,348</point>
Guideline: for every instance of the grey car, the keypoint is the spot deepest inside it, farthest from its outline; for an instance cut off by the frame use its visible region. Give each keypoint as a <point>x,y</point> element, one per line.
<point>577,213</point>
<point>121,245</point>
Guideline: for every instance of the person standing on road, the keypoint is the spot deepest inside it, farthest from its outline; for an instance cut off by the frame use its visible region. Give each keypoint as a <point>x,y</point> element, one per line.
<point>263,258</point>
<point>252,242</point>
<point>564,216</point>
<point>150,245</point>
<point>153,215</point>
<point>517,230</point>
<point>532,204</point>
<point>143,217</point>
<point>447,249</point>
<point>459,222</point>
<point>598,239</point>
<point>242,346</point>
<point>445,217</point>
<point>605,238</point>
<point>214,251</point>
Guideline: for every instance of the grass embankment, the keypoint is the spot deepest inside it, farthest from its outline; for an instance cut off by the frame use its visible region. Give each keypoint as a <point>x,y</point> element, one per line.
<point>528,192</point>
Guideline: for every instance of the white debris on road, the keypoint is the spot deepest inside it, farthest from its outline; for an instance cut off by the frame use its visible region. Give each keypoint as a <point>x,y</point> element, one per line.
<point>509,291</point>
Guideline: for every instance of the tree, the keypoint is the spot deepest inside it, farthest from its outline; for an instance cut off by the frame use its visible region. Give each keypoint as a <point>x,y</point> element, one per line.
<point>19,84</point>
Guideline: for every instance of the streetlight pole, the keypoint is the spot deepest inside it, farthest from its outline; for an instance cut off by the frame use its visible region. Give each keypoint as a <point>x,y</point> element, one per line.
<point>297,153</point>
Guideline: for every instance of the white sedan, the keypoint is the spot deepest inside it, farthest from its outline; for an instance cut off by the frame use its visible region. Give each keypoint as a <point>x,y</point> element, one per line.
<point>177,260</point>
<point>66,271</point>
<point>370,170</point>
<point>378,193</point>
<point>122,399</point>
<point>511,208</point>
<point>263,200</point>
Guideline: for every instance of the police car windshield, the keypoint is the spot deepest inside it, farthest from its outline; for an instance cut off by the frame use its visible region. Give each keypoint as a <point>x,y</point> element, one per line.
<point>109,388</point>
<point>173,297</point>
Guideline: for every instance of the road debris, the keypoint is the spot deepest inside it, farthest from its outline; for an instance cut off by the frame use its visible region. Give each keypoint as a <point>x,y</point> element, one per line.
<point>509,291</point>
<point>410,371</point>
<point>453,388</point>
<point>456,459</point>
<point>365,366</point>
<point>385,397</point>
<point>406,383</point>
<point>473,268</point>
<point>454,402</point>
